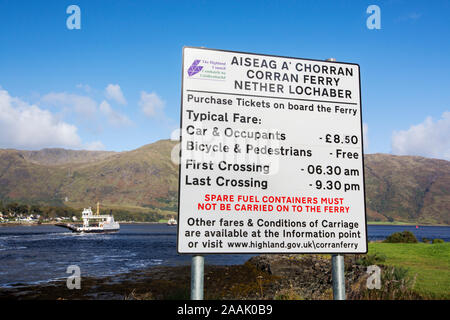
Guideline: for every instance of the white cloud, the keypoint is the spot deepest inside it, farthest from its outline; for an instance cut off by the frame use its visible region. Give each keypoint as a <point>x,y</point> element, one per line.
<point>115,118</point>
<point>429,139</point>
<point>82,105</point>
<point>113,92</point>
<point>27,126</point>
<point>151,104</point>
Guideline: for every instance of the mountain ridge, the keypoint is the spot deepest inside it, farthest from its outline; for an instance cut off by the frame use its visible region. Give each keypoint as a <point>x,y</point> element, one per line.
<point>398,188</point>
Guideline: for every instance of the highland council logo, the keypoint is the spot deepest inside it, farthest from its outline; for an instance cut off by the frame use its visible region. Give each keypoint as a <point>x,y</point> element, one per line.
<point>194,68</point>
<point>204,69</point>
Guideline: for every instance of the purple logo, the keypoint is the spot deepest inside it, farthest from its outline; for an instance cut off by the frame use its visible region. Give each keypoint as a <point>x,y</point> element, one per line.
<point>194,68</point>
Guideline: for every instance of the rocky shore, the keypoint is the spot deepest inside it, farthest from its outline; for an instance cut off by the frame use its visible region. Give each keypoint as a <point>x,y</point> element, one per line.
<point>261,277</point>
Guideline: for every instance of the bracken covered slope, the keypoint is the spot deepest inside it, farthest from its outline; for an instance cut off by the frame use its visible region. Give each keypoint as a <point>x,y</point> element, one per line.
<point>398,188</point>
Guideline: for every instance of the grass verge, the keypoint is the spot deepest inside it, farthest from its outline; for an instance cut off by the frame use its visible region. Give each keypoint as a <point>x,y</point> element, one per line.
<point>430,262</point>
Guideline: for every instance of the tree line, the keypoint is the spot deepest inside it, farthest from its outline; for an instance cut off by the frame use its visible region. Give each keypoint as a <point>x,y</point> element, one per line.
<point>53,212</point>
<point>46,212</point>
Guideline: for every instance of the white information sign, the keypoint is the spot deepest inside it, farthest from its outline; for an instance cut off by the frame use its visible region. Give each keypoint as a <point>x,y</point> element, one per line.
<point>271,155</point>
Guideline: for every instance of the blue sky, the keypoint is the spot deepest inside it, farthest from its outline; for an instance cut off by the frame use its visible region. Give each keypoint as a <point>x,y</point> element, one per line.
<point>115,83</point>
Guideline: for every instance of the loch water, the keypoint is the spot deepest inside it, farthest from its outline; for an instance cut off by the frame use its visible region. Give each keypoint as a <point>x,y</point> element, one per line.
<point>42,253</point>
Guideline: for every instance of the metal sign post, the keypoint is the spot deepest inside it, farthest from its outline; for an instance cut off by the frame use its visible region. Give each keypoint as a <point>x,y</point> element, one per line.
<point>338,267</point>
<point>338,276</point>
<point>235,159</point>
<point>197,276</point>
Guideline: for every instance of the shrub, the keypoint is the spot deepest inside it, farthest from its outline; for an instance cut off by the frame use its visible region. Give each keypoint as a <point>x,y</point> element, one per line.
<point>288,294</point>
<point>139,296</point>
<point>438,241</point>
<point>426,240</point>
<point>396,284</point>
<point>401,237</point>
<point>371,259</point>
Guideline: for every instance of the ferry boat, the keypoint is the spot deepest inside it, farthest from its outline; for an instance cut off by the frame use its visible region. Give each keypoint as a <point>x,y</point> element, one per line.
<point>172,222</point>
<point>99,223</point>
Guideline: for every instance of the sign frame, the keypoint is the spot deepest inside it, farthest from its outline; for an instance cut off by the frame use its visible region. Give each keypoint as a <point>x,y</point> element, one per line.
<point>200,253</point>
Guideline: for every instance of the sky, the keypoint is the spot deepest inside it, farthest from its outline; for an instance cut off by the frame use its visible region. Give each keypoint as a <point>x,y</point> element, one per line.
<point>115,83</point>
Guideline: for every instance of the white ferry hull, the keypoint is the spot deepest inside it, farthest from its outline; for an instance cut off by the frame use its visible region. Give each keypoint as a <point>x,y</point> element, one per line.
<point>96,231</point>
<point>102,223</point>
<point>74,228</point>
<point>172,222</point>
<point>104,229</point>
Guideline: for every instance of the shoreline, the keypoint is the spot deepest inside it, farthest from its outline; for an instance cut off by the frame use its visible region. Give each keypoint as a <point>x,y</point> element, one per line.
<point>404,224</point>
<point>263,277</point>
<point>266,277</point>
<point>15,224</point>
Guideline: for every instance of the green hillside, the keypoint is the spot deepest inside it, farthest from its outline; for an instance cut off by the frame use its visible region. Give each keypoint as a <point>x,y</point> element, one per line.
<point>398,188</point>
<point>408,189</point>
